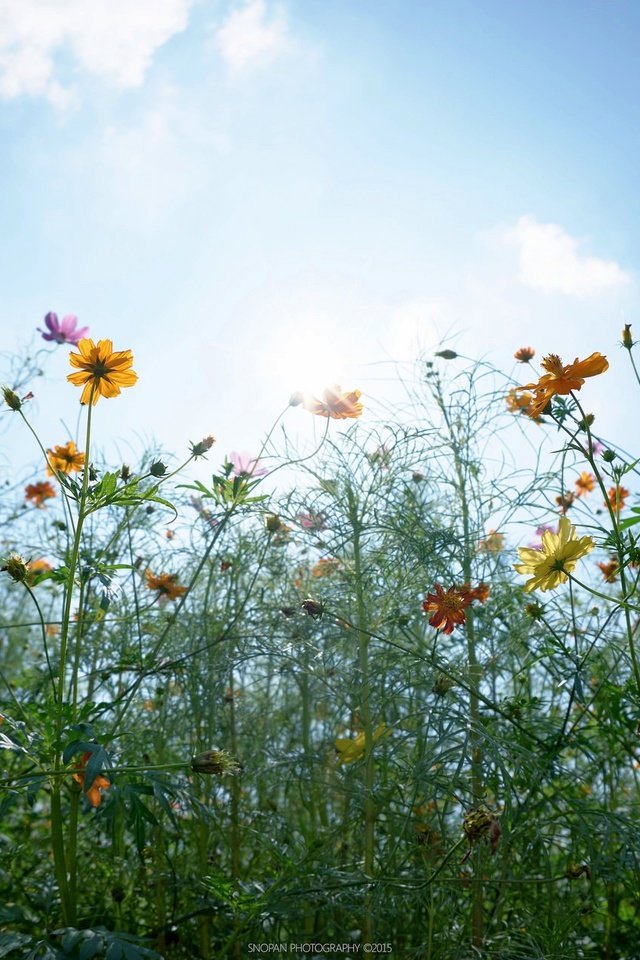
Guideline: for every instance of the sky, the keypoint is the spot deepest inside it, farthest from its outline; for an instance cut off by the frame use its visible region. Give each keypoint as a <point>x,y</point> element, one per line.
<point>259,196</point>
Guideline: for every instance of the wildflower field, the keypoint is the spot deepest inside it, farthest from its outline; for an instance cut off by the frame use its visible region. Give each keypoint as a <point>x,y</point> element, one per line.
<point>380,696</point>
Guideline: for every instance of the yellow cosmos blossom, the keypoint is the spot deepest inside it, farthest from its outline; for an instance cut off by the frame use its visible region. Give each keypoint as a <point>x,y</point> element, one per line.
<point>551,564</point>
<point>351,749</point>
<point>65,459</point>
<point>562,379</point>
<point>101,371</point>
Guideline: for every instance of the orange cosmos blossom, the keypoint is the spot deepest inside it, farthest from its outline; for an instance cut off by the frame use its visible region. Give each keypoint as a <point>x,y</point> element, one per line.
<point>524,354</point>
<point>37,493</point>
<point>449,608</point>
<point>585,483</point>
<point>65,459</point>
<point>610,570</point>
<point>561,379</point>
<point>335,404</point>
<point>101,371</point>
<point>93,793</point>
<point>617,497</point>
<point>166,584</point>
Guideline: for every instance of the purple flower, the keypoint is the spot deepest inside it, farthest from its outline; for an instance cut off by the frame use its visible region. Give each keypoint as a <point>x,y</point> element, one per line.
<point>244,465</point>
<point>596,447</point>
<point>63,331</point>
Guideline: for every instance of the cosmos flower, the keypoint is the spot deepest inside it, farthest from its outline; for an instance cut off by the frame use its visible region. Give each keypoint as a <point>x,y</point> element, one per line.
<point>93,794</point>
<point>37,493</point>
<point>617,498</point>
<point>557,557</point>
<point>492,543</point>
<point>585,483</point>
<point>449,608</point>
<point>524,354</point>
<point>562,379</point>
<point>39,566</point>
<point>101,371</point>
<point>610,569</point>
<point>166,585</point>
<point>244,465</point>
<point>520,404</point>
<point>311,521</point>
<point>334,403</point>
<point>63,331</point>
<point>65,459</point>
<point>350,749</point>
<point>325,566</point>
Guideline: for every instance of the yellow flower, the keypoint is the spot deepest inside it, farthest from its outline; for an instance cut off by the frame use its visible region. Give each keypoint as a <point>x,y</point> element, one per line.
<point>351,749</point>
<point>101,371</point>
<point>557,557</point>
<point>65,459</point>
<point>562,378</point>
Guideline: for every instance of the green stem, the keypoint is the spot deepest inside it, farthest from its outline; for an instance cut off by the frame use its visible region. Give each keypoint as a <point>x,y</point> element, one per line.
<point>365,709</point>
<point>66,871</point>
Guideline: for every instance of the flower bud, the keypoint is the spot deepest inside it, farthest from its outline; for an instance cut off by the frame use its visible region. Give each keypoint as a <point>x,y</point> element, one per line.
<point>296,399</point>
<point>442,684</point>
<point>199,449</point>
<point>609,456</point>
<point>17,568</point>
<point>312,608</point>
<point>157,469</point>
<point>11,399</point>
<point>273,523</point>
<point>215,762</point>
<point>125,472</point>
<point>627,339</point>
<point>446,354</point>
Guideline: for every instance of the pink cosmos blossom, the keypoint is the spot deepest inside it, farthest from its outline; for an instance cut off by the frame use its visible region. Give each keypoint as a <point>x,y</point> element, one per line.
<point>596,448</point>
<point>63,331</point>
<point>311,521</point>
<point>244,465</point>
<point>537,544</point>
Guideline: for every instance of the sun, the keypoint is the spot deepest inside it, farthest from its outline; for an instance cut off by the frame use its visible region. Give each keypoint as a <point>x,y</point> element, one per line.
<point>307,360</point>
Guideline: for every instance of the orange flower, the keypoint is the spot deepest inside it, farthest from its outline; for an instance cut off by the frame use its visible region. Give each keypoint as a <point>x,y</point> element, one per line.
<point>610,569</point>
<point>492,543</point>
<point>325,567</point>
<point>102,372</point>
<point>39,566</point>
<point>524,354</point>
<point>65,459</point>
<point>166,585</point>
<point>585,483</point>
<point>100,783</point>
<point>449,608</point>
<point>520,404</point>
<point>334,403</point>
<point>562,378</point>
<point>565,500</point>
<point>37,493</point>
<point>617,497</point>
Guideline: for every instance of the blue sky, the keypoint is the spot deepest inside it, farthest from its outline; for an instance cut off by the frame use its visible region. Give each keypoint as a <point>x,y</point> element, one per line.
<point>260,196</point>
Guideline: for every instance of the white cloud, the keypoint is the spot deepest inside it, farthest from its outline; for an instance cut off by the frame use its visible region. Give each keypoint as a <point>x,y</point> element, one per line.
<point>249,38</point>
<point>550,261</point>
<point>112,39</point>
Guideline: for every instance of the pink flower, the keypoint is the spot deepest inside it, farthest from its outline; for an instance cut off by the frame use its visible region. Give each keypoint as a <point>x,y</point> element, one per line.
<point>596,448</point>
<point>311,521</point>
<point>244,465</point>
<point>536,544</point>
<point>63,331</point>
